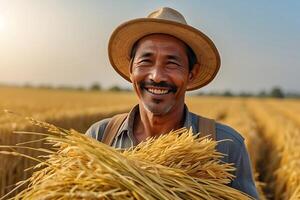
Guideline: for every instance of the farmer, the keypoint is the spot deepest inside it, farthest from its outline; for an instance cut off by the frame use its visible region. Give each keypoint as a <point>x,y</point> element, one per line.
<point>163,57</point>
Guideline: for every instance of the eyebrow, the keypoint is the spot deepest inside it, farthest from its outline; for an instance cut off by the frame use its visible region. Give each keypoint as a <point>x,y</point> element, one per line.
<point>146,54</point>
<point>173,57</point>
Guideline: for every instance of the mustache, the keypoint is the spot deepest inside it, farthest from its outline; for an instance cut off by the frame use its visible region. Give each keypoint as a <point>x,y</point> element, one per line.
<point>163,84</point>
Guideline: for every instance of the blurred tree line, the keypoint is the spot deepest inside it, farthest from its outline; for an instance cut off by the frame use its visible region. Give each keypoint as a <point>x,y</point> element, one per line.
<point>275,92</point>
<point>93,87</point>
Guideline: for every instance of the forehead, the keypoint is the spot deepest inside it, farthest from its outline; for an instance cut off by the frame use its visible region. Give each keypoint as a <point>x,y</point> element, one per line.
<point>161,42</point>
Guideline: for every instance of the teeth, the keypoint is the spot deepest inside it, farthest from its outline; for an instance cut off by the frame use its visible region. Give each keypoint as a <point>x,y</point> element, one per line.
<point>157,91</point>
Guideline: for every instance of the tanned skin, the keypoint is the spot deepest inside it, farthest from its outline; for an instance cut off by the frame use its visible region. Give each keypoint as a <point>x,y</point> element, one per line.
<point>160,76</point>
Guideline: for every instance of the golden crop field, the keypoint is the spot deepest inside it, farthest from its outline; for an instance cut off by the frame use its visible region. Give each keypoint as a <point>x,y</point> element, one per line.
<point>271,129</point>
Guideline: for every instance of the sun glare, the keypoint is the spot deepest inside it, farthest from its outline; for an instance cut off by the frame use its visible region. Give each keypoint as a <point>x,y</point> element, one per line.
<point>2,23</point>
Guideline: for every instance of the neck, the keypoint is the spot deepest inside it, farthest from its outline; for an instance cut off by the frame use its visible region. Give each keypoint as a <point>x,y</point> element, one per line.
<point>148,125</point>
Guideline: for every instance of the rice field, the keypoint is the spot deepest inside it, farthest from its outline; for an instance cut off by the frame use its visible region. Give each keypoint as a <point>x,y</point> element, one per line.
<point>271,129</point>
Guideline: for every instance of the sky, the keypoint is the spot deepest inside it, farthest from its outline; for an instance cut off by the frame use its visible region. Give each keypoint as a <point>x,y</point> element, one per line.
<point>64,42</point>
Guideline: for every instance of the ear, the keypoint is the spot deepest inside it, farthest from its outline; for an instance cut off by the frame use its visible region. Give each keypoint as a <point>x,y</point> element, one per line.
<point>130,76</point>
<point>193,74</point>
<point>130,69</point>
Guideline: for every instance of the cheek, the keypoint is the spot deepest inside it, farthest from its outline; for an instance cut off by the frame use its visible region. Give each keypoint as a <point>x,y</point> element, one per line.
<point>135,85</point>
<point>138,75</point>
<point>180,79</point>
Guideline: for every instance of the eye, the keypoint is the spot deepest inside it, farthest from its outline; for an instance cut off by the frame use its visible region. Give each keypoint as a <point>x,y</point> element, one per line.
<point>173,63</point>
<point>144,61</point>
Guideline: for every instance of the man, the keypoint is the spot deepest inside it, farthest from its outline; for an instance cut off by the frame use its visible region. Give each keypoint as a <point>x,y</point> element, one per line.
<point>163,57</point>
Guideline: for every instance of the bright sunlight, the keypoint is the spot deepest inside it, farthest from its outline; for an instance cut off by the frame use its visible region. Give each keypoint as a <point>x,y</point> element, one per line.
<point>2,23</point>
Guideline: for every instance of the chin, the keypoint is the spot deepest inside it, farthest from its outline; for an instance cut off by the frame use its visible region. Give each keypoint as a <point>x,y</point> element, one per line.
<point>158,110</point>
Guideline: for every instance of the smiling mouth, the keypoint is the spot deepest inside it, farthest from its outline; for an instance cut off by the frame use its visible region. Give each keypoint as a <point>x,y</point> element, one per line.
<point>161,88</point>
<point>158,91</point>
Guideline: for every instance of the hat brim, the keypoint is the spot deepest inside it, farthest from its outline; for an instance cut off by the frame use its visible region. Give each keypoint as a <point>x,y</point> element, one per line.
<point>125,35</point>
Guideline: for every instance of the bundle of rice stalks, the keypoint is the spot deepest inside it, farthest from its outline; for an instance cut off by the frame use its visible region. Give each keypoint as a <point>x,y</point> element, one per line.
<point>296,194</point>
<point>175,166</point>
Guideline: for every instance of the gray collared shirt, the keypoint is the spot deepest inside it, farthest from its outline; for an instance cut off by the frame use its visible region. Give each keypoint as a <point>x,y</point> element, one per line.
<point>234,148</point>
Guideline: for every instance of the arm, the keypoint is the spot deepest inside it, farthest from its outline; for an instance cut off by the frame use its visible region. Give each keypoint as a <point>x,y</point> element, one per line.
<point>234,148</point>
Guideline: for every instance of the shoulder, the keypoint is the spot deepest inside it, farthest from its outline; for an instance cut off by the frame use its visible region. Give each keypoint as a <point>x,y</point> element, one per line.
<point>96,130</point>
<point>225,132</point>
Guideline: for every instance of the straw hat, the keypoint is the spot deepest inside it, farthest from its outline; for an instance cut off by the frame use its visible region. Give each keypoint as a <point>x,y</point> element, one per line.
<point>166,21</point>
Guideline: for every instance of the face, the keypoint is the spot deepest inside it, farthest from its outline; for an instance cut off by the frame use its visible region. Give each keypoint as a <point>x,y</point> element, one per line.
<point>160,73</point>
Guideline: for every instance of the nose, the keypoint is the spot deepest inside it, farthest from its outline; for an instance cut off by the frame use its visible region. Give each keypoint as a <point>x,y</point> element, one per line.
<point>158,74</point>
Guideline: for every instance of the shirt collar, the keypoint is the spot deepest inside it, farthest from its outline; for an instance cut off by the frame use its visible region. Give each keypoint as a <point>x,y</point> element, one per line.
<point>127,126</point>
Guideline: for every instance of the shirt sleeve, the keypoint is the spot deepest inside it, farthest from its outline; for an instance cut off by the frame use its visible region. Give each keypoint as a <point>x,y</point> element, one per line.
<point>233,146</point>
<point>244,180</point>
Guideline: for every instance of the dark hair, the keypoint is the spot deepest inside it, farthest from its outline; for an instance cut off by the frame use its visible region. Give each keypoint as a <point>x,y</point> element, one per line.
<point>191,57</point>
<point>189,51</point>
